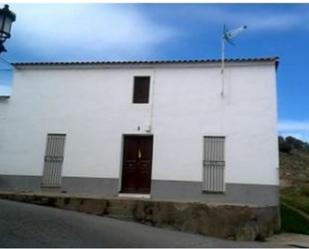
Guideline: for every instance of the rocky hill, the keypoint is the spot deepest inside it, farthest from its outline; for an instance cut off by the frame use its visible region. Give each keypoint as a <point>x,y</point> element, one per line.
<point>294,162</point>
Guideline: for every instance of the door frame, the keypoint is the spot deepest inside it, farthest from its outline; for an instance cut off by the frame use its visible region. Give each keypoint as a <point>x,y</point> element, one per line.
<point>122,158</point>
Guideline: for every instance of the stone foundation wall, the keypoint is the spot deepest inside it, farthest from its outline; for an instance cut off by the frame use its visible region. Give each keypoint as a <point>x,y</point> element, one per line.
<point>237,222</point>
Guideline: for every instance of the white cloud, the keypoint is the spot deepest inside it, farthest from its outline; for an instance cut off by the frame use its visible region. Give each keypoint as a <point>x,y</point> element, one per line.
<point>291,125</point>
<point>96,30</point>
<point>258,20</point>
<point>125,31</point>
<point>298,129</point>
<point>5,90</point>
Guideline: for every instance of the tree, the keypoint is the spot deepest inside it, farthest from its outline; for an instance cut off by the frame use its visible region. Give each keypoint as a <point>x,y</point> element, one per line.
<point>295,143</point>
<point>284,146</point>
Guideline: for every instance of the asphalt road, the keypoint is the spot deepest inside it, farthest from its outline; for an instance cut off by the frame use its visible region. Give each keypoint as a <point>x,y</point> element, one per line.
<point>27,225</point>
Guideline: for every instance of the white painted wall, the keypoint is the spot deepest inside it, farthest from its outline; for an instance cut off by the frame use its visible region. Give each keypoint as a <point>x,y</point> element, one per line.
<point>94,108</point>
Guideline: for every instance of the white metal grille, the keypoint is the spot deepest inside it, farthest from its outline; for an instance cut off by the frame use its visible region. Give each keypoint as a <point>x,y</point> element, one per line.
<point>214,164</point>
<point>53,160</point>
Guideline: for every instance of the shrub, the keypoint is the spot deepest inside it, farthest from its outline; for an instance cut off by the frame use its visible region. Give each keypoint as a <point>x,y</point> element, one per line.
<point>292,221</point>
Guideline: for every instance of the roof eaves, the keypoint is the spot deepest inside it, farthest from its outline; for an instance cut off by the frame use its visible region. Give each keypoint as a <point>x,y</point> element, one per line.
<point>261,59</point>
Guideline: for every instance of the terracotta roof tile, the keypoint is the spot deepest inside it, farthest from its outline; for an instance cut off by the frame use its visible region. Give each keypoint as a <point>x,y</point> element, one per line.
<point>261,59</point>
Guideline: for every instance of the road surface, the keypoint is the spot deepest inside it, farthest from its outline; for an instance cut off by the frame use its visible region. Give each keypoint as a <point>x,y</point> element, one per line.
<point>27,225</point>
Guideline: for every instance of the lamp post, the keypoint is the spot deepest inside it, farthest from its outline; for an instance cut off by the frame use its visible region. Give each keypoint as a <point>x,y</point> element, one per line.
<point>7,17</point>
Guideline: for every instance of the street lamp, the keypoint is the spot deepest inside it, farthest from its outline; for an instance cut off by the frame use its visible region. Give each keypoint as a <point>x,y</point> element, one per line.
<point>7,17</point>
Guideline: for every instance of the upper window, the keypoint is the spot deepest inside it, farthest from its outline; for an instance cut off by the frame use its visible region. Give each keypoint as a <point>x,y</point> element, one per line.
<point>141,89</point>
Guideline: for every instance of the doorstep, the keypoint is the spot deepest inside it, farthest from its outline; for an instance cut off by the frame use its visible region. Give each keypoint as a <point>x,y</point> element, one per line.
<point>129,195</point>
<point>290,239</point>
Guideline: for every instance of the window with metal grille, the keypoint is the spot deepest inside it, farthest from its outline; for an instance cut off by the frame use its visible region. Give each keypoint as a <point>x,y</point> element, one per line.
<point>53,160</point>
<point>141,89</point>
<point>214,164</point>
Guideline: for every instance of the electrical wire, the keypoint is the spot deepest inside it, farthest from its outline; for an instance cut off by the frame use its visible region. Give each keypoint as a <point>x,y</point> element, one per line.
<point>6,61</point>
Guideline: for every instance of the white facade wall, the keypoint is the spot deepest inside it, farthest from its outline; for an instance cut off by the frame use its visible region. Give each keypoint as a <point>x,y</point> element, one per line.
<point>93,106</point>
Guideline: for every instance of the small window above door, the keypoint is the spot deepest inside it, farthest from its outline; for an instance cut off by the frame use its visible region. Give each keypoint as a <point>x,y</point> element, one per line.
<point>141,89</point>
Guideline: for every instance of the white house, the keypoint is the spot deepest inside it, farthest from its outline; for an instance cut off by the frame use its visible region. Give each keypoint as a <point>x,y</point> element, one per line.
<point>161,129</point>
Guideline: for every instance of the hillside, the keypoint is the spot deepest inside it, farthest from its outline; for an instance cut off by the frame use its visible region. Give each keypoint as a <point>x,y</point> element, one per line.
<point>294,184</point>
<point>294,162</point>
<point>294,168</point>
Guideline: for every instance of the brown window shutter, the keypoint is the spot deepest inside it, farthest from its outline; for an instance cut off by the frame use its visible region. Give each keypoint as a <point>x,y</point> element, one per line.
<point>141,89</point>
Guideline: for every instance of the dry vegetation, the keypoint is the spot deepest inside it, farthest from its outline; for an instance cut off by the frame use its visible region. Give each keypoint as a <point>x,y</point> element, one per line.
<point>294,181</point>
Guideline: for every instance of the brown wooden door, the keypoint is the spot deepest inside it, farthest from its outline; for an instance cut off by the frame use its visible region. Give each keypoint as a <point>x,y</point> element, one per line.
<point>137,160</point>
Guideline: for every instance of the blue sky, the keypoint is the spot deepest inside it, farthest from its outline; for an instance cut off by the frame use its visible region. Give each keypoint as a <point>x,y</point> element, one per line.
<point>69,32</point>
